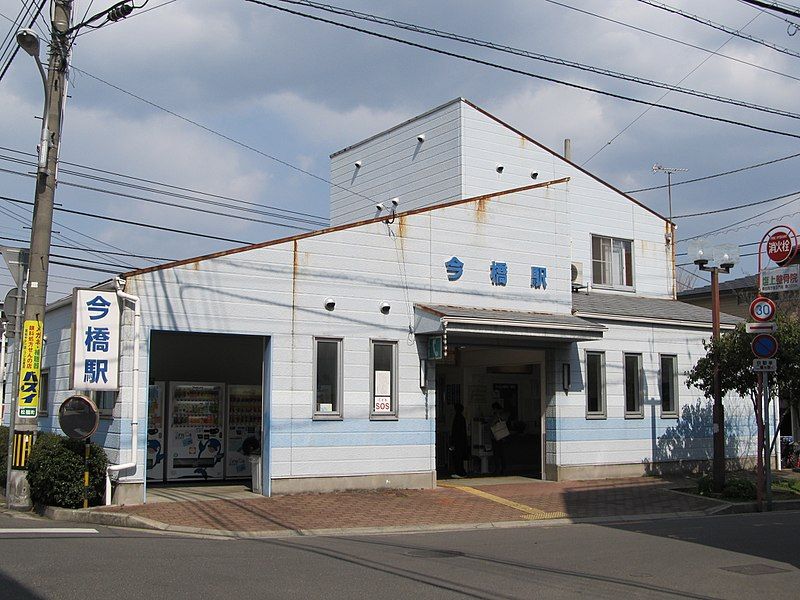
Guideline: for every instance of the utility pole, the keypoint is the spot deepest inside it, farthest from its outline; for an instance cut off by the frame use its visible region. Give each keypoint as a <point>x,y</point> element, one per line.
<point>25,415</point>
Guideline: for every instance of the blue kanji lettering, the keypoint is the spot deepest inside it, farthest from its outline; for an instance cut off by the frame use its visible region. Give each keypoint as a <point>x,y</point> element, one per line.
<point>539,278</point>
<point>95,370</point>
<point>455,268</point>
<point>97,339</point>
<point>99,306</point>
<point>498,273</point>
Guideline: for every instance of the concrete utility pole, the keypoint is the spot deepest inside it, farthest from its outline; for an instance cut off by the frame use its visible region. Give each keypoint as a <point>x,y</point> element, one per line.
<point>25,417</point>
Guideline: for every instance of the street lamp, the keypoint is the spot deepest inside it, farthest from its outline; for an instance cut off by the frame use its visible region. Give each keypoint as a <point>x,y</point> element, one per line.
<point>29,41</point>
<point>716,259</point>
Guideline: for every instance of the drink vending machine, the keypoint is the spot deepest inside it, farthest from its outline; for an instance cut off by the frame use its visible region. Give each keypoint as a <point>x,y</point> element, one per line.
<point>196,447</point>
<point>156,451</point>
<point>244,428</point>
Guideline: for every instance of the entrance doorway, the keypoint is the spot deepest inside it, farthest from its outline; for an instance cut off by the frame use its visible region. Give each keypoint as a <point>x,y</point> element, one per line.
<point>501,393</point>
<point>205,408</point>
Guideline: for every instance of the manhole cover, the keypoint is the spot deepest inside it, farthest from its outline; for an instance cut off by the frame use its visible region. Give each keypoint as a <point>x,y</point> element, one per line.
<point>434,553</point>
<point>756,569</point>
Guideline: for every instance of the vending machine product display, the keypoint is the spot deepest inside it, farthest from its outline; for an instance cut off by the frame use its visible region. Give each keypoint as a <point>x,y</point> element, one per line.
<point>196,431</point>
<point>155,432</point>
<point>244,428</point>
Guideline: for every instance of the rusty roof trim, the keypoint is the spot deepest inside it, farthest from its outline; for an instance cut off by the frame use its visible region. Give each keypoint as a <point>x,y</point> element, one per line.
<point>309,234</point>
<point>569,162</point>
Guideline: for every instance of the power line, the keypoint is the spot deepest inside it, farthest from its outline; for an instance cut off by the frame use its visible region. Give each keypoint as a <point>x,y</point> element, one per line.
<point>707,22</point>
<point>671,39</point>
<point>792,27</point>
<point>525,73</point>
<point>128,222</point>
<point>785,9</point>
<point>706,177</point>
<point>719,230</point>
<point>84,267</point>
<point>740,206</point>
<point>110,253</point>
<point>535,56</point>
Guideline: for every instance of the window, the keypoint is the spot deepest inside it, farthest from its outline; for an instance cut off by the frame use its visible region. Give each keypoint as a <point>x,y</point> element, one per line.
<point>327,378</point>
<point>595,385</point>
<point>104,401</point>
<point>383,383</point>
<point>633,385</point>
<point>44,391</point>
<point>669,386</point>
<point>612,262</point>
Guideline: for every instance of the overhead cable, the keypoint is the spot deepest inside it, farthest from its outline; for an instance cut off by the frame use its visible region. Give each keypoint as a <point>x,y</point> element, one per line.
<point>785,9</point>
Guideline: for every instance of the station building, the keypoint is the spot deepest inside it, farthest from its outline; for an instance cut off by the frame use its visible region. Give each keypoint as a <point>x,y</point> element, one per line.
<point>507,280</point>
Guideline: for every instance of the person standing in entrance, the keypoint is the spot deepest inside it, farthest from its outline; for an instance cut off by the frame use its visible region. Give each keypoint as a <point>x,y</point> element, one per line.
<point>499,433</point>
<point>458,441</point>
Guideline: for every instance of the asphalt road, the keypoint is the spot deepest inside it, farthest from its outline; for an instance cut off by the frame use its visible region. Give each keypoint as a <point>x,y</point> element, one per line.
<point>740,556</point>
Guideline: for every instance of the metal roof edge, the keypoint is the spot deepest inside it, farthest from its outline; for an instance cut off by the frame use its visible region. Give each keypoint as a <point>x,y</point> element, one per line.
<point>310,234</point>
<point>398,126</point>
<point>651,320</point>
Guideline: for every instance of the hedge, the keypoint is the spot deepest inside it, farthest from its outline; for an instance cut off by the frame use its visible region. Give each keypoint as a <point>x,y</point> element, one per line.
<point>3,455</point>
<point>55,472</point>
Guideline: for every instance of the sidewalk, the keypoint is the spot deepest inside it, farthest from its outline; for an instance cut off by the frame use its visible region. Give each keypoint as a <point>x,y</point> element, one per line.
<point>454,504</point>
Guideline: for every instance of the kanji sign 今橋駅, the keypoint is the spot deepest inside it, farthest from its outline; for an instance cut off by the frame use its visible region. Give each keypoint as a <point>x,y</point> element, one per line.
<point>95,346</point>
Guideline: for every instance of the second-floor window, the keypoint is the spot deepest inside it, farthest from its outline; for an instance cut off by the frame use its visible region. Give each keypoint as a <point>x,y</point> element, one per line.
<point>612,262</point>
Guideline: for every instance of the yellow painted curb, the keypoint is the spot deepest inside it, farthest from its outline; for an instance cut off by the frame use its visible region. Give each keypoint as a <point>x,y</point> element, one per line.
<point>531,514</point>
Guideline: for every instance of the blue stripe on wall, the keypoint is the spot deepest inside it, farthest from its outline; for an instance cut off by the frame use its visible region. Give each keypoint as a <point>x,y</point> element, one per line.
<point>306,433</point>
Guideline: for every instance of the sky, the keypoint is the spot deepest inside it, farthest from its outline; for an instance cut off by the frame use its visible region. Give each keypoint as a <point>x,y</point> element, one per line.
<point>253,101</point>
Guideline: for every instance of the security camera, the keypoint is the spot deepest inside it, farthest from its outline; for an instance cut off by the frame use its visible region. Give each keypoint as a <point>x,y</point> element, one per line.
<point>330,303</point>
<point>421,138</point>
<point>358,164</point>
<point>534,174</point>
<point>385,308</point>
<point>395,202</point>
<point>379,206</point>
<point>499,168</point>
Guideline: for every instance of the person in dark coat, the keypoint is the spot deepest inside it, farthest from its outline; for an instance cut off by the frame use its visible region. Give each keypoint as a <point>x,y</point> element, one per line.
<point>458,441</point>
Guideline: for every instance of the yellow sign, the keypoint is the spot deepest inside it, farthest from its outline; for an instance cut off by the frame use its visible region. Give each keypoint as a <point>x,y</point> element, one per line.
<point>30,370</point>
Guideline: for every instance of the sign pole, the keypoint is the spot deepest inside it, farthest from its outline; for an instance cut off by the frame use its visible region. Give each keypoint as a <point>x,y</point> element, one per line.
<point>86,450</point>
<point>767,438</point>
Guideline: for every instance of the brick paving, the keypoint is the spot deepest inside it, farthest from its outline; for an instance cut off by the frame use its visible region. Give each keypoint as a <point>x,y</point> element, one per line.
<point>441,506</point>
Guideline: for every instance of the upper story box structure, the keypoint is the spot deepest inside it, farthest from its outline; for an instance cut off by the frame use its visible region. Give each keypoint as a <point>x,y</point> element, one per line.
<point>608,240</point>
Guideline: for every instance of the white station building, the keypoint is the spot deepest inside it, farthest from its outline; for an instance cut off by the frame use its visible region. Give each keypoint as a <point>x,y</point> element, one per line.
<point>506,274</point>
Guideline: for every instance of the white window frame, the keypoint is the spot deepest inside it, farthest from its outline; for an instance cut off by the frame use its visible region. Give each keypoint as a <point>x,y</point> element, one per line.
<point>638,412</point>
<point>335,415</point>
<point>668,414</point>
<point>98,397</point>
<point>602,413</point>
<point>392,415</point>
<point>604,265</point>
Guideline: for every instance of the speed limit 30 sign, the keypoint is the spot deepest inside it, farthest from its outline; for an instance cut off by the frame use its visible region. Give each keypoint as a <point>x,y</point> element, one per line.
<point>762,309</point>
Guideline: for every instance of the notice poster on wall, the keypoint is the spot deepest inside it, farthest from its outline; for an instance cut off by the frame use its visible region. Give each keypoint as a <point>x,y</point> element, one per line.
<point>383,392</point>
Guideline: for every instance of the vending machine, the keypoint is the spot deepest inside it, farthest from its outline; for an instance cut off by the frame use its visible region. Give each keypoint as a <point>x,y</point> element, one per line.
<point>244,428</point>
<point>155,432</point>
<point>196,431</point>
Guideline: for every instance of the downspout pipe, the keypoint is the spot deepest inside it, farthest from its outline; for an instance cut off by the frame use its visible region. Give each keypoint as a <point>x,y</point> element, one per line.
<point>134,396</point>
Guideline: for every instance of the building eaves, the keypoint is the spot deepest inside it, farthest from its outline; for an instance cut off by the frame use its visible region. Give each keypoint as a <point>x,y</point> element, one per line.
<point>748,282</point>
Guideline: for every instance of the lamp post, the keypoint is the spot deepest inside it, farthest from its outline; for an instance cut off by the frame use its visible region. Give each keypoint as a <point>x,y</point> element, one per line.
<point>26,394</point>
<point>715,260</point>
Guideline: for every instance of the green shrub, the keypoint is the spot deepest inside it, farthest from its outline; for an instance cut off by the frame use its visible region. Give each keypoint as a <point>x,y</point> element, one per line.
<point>55,472</point>
<point>738,488</point>
<point>705,485</point>
<point>3,455</point>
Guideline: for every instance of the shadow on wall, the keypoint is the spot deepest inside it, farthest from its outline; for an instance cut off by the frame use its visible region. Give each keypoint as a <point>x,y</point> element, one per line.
<point>687,446</point>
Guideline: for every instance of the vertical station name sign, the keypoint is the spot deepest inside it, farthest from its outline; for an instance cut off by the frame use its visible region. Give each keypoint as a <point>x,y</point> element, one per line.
<point>95,340</point>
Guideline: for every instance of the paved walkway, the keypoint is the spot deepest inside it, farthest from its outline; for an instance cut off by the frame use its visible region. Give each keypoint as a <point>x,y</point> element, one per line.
<point>453,503</point>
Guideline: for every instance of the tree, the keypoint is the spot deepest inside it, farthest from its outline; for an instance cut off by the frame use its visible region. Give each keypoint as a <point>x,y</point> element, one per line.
<point>736,375</point>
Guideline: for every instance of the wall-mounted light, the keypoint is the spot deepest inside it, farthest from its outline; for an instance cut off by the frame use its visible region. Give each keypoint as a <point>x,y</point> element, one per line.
<point>499,168</point>
<point>358,164</point>
<point>379,206</point>
<point>395,202</point>
<point>534,174</point>
<point>421,138</point>
<point>566,377</point>
<point>385,308</point>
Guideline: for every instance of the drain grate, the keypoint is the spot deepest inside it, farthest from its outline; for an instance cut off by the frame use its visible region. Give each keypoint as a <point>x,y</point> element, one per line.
<point>426,553</point>
<point>755,569</point>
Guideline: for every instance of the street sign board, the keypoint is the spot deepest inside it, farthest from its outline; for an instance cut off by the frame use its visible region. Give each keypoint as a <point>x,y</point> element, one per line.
<point>780,279</point>
<point>765,365</point>
<point>762,309</point>
<point>779,246</point>
<point>78,417</point>
<point>13,258</point>
<point>764,346</point>
<point>770,327</point>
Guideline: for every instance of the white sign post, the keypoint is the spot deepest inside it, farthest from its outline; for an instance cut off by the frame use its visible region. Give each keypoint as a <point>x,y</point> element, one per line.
<point>95,341</point>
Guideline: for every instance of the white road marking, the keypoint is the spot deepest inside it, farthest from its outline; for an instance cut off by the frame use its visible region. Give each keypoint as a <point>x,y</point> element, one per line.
<point>45,530</point>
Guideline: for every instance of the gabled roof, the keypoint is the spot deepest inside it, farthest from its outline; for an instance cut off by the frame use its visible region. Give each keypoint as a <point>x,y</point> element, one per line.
<point>748,282</point>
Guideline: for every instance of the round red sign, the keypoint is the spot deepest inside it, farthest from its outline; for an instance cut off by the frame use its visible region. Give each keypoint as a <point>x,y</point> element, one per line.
<point>762,309</point>
<point>779,246</point>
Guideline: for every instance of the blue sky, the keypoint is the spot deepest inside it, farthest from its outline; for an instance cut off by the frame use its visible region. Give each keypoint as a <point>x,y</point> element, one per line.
<point>299,90</point>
